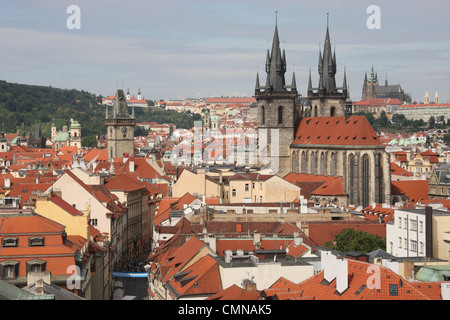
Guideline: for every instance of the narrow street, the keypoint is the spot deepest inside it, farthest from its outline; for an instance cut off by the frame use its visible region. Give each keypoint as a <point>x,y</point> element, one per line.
<point>134,287</point>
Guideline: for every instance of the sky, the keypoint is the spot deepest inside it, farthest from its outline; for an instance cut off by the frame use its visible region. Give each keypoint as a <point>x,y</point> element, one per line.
<point>180,49</point>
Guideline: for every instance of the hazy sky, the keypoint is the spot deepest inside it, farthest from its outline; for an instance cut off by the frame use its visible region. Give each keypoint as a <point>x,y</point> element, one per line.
<point>175,49</point>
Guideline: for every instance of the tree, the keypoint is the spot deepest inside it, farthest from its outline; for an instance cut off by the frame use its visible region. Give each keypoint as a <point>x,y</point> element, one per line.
<point>431,122</point>
<point>350,239</point>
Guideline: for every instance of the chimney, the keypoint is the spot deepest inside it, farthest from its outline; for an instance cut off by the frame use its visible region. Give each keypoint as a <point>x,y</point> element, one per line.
<point>341,275</point>
<point>39,287</point>
<point>131,164</point>
<point>328,261</point>
<point>7,182</point>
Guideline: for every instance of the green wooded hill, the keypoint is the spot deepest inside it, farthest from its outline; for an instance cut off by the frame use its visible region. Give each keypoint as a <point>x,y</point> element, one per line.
<point>22,106</point>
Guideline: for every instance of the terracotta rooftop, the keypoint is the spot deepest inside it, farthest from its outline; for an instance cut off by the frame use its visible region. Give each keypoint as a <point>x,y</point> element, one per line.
<point>355,131</point>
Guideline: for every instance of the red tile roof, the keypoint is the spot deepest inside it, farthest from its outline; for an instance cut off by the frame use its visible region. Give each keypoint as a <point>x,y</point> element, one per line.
<point>201,278</point>
<point>361,286</point>
<point>316,184</point>
<point>371,213</point>
<point>415,190</point>
<point>235,292</point>
<point>355,131</point>
<point>65,206</point>
<point>399,171</point>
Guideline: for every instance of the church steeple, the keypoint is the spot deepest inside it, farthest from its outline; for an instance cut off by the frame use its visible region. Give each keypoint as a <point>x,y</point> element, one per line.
<point>276,64</point>
<point>327,64</point>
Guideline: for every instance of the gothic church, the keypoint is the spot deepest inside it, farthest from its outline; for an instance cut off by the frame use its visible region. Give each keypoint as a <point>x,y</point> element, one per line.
<point>321,136</point>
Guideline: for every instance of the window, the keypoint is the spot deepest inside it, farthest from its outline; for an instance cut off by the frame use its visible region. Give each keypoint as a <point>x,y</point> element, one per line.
<point>253,185</point>
<point>36,241</point>
<point>260,199</point>
<point>234,193</point>
<point>413,225</point>
<point>9,269</point>
<point>365,180</point>
<point>399,222</point>
<point>399,242</point>
<point>10,242</point>
<point>94,222</point>
<point>280,115</point>
<point>260,186</point>
<point>414,245</point>
<point>422,248</point>
<point>420,226</point>
<point>247,187</point>
<point>36,265</point>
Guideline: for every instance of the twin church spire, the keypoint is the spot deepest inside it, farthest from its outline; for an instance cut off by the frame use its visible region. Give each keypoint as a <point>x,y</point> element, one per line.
<point>276,68</point>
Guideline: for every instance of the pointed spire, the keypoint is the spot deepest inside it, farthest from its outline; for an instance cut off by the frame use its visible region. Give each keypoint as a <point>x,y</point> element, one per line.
<point>257,82</point>
<point>386,81</point>
<point>309,81</point>
<point>294,82</point>
<point>344,85</point>
<point>276,64</point>
<point>365,77</point>
<point>329,65</point>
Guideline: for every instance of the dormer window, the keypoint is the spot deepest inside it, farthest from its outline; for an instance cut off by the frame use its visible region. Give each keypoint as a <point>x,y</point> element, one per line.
<point>36,241</point>
<point>10,242</point>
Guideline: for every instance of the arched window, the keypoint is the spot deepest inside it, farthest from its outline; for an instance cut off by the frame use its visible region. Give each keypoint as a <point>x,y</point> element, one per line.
<point>295,161</point>
<point>314,163</point>
<point>315,111</point>
<point>280,115</point>
<point>333,163</point>
<point>351,179</point>
<point>332,111</point>
<point>365,180</point>
<point>304,164</point>
<point>323,163</point>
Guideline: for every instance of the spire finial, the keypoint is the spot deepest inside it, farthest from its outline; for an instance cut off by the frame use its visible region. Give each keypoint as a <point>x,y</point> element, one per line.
<point>328,17</point>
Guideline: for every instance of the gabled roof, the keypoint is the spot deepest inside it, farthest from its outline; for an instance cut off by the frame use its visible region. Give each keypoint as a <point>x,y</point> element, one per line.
<point>168,204</point>
<point>201,278</point>
<point>391,285</point>
<point>235,292</point>
<point>399,171</point>
<point>65,206</point>
<point>178,260</point>
<point>378,212</point>
<point>314,184</point>
<point>335,131</point>
<point>123,182</point>
<point>415,190</point>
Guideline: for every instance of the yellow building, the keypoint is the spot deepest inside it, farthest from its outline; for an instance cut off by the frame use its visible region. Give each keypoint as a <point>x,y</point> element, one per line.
<point>56,209</point>
<point>231,187</point>
<point>260,188</point>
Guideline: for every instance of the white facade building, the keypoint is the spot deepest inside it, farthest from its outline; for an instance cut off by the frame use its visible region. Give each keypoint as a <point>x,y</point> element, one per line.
<point>406,236</point>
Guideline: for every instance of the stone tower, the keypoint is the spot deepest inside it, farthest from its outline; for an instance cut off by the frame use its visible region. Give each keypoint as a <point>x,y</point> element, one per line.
<point>120,128</point>
<point>75,134</point>
<point>277,110</point>
<point>327,99</point>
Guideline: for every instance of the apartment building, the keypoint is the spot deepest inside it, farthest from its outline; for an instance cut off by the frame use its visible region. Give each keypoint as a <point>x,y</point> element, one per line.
<point>418,233</point>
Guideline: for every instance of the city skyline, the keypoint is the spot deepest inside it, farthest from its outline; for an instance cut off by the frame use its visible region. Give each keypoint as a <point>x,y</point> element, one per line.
<point>178,49</point>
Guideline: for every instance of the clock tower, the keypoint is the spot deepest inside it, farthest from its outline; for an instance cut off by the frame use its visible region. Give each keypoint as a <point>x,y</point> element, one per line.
<point>120,128</point>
